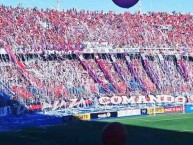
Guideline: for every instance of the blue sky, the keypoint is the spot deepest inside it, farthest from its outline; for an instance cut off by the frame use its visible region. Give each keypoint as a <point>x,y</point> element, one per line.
<point>107,5</point>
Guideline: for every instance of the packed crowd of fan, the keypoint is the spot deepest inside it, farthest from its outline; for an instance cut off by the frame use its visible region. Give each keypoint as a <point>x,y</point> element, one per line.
<point>34,30</point>
<point>68,79</point>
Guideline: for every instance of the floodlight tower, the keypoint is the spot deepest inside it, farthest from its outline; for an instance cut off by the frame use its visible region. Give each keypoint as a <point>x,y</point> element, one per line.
<point>58,5</point>
<point>140,6</point>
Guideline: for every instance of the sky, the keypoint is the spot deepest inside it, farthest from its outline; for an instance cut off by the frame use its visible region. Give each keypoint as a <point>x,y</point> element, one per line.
<point>184,6</point>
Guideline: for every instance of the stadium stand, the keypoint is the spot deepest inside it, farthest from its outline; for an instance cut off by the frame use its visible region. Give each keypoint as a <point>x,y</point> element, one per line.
<point>32,29</point>
<point>47,50</point>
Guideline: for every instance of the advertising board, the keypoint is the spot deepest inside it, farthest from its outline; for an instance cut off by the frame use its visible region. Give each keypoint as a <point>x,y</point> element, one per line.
<point>189,108</point>
<point>81,116</point>
<point>103,115</point>
<point>133,112</point>
<point>157,110</point>
<point>174,109</point>
<point>144,111</point>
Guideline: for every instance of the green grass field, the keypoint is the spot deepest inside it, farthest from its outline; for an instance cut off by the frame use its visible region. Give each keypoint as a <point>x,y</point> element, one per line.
<point>172,122</point>
<point>173,129</point>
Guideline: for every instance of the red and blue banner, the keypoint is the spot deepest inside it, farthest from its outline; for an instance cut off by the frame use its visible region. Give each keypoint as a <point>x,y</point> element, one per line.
<point>22,68</point>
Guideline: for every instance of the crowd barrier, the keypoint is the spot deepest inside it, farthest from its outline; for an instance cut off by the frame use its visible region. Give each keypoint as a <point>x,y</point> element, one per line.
<point>130,112</point>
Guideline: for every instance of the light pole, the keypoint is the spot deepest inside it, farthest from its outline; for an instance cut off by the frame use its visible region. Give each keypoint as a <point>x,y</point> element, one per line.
<point>140,6</point>
<point>58,4</point>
